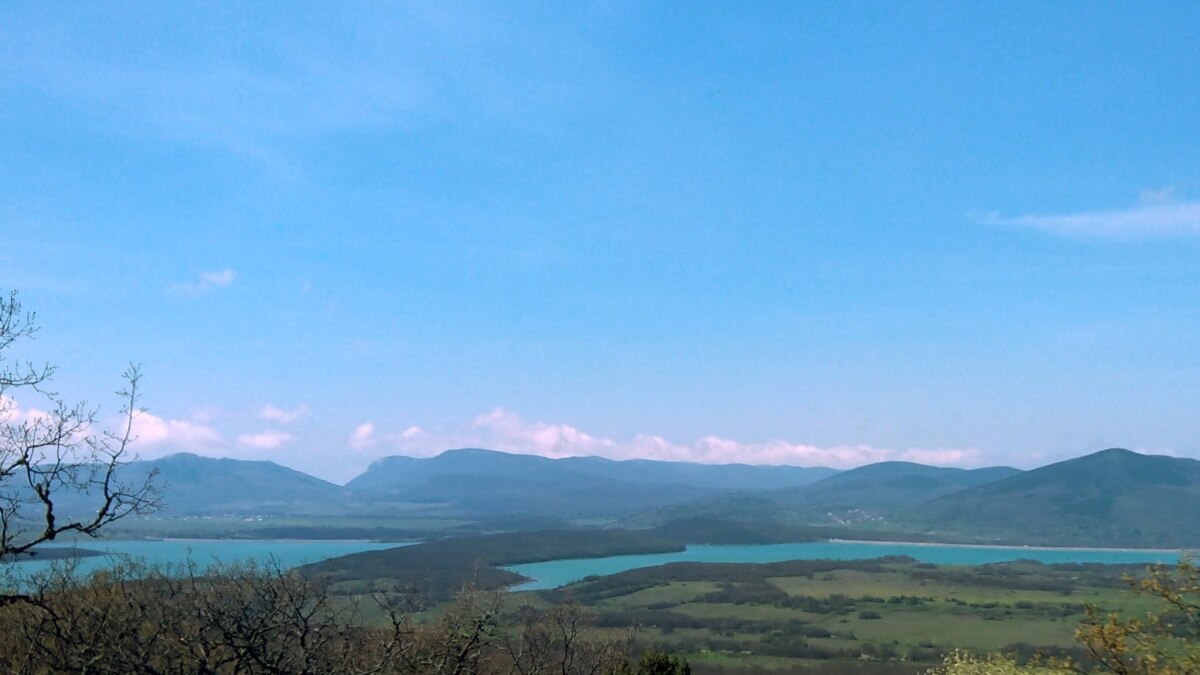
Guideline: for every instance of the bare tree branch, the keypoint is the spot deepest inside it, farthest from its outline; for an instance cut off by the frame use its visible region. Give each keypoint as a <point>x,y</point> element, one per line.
<point>60,468</point>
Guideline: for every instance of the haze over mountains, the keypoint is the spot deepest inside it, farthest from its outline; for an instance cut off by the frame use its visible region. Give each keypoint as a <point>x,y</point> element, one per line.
<point>487,482</point>
<point>1117,497</point>
<point>862,495</point>
<point>470,483</point>
<point>1113,498</point>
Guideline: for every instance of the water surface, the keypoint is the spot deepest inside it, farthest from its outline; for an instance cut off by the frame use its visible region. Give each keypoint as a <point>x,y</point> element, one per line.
<point>555,573</point>
<point>205,552</point>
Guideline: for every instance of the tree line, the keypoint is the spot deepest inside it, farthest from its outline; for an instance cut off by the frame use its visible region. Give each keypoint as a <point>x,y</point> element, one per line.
<point>264,620</point>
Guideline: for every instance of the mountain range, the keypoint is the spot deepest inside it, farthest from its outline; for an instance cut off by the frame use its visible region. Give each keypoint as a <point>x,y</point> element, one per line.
<point>1114,497</point>
<point>473,481</point>
<point>865,495</point>
<point>464,483</point>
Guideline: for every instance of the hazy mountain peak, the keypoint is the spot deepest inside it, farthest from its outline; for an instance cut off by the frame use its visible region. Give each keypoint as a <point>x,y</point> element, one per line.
<point>1113,497</point>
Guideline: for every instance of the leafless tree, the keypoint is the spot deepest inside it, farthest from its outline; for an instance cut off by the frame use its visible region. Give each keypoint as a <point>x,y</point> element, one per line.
<point>562,641</point>
<point>50,449</point>
<point>240,619</point>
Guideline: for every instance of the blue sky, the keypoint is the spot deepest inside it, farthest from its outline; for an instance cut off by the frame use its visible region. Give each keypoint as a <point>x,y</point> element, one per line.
<point>807,233</point>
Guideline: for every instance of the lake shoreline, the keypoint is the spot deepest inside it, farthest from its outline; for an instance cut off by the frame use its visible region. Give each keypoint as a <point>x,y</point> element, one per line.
<point>1018,547</point>
<point>209,540</point>
<point>559,573</point>
<point>203,552</point>
<point>50,553</point>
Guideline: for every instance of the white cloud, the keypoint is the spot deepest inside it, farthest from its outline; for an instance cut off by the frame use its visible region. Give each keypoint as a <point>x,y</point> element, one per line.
<point>507,431</point>
<point>207,281</point>
<point>151,435</point>
<point>944,456</point>
<point>155,433</point>
<point>12,413</point>
<point>265,440</point>
<point>281,415</point>
<point>220,278</point>
<point>363,437</point>
<point>1156,217</point>
<point>504,430</point>
<point>716,450</point>
<point>1157,195</point>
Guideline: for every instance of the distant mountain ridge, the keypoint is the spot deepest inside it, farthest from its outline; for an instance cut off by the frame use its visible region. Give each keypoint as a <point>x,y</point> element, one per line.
<point>885,486</point>
<point>866,494</point>
<point>391,472</point>
<point>475,481</point>
<point>1114,497</point>
<point>193,485</point>
<point>468,483</point>
<point>1110,498</point>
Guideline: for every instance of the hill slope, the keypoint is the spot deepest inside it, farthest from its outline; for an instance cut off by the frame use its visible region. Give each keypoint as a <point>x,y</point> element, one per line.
<point>885,486</point>
<point>871,493</point>
<point>478,482</point>
<point>1110,498</point>
<point>508,491</point>
<point>203,485</point>
<point>482,484</point>
<point>398,472</point>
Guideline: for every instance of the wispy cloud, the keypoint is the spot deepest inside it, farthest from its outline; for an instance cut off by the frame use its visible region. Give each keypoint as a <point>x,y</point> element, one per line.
<point>282,415</point>
<point>1157,195</point>
<point>218,279</point>
<point>207,281</point>
<point>363,437</point>
<point>265,440</point>
<point>501,429</point>
<point>356,67</point>
<point>1157,217</point>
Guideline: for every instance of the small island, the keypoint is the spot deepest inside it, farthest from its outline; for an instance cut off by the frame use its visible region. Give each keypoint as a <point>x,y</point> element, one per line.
<point>50,553</point>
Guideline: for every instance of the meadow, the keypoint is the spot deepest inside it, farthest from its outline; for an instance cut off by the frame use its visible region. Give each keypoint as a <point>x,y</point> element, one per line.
<point>891,615</point>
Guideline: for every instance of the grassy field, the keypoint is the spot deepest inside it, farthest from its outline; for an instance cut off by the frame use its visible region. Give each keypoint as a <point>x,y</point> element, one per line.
<point>896,614</point>
<point>890,615</point>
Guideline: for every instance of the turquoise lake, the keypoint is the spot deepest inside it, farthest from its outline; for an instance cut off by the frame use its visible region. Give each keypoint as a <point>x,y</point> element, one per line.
<point>553,574</point>
<point>208,551</point>
<point>557,573</point>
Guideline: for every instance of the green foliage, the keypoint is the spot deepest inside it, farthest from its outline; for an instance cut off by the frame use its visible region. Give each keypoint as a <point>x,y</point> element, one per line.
<point>962,663</point>
<point>782,615</point>
<point>440,568</point>
<point>1164,641</point>
<point>655,662</point>
<point>701,530</point>
<point>633,580</point>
